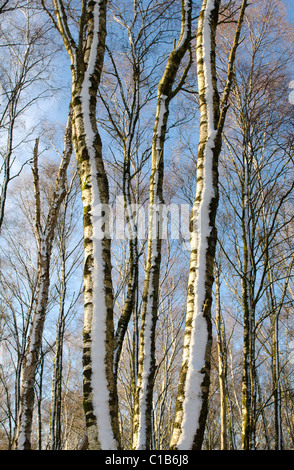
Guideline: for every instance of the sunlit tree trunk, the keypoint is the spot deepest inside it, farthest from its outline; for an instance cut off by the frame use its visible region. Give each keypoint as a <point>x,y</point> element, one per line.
<point>222,362</point>
<point>248,379</point>
<point>87,56</point>
<point>191,407</point>
<point>45,237</point>
<point>146,365</point>
<point>56,401</point>
<point>192,399</point>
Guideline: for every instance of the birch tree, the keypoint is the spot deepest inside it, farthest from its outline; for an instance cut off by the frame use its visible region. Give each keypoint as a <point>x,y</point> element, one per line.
<point>45,237</point>
<point>167,89</point>
<point>24,66</point>
<point>68,260</point>
<point>18,290</point>
<point>258,91</point>
<point>86,59</point>
<point>192,400</point>
<point>222,361</point>
<point>127,82</point>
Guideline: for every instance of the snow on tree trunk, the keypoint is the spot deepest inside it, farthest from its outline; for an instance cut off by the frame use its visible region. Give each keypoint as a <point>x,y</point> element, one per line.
<point>191,408</point>
<point>45,237</point>
<point>100,398</point>
<point>146,366</point>
<point>192,400</point>
<point>143,405</point>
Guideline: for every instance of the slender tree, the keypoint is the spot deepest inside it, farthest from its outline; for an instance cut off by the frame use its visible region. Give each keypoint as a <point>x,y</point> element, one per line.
<point>45,238</point>
<point>87,57</point>
<point>25,64</point>
<point>222,361</point>
<point>166,91</point>
<point>192,400</point>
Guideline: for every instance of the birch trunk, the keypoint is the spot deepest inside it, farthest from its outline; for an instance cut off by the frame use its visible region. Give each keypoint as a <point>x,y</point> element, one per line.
<point>132,222</point>
<point>100,397</point>
<point>222,363</point>
<point>249,368</point>
<point>192,399</point>
<point>146,366</point>
<point>45,237</point>
<point>276,382</point>
<point>55,412</point>
<point>7,163</point>
<point>191,407</point>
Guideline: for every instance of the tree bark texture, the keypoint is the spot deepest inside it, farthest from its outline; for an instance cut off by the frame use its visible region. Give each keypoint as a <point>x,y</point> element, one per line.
<point>146,366</point>
<point>45,237</point>
<point>100,397</point>
<point>191,407</point>
<point>192,399</point>
<point>222,362</point>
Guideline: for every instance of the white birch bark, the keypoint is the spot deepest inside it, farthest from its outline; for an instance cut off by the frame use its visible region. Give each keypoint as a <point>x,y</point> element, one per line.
<point>198,332</point>
<point>45,237</point>
<point>192,399</point>
<point>143,402</point>
<point>100,399</point>
<point>222,361</point>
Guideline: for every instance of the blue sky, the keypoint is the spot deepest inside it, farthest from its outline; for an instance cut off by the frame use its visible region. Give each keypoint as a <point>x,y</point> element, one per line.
<point>290,6</point>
